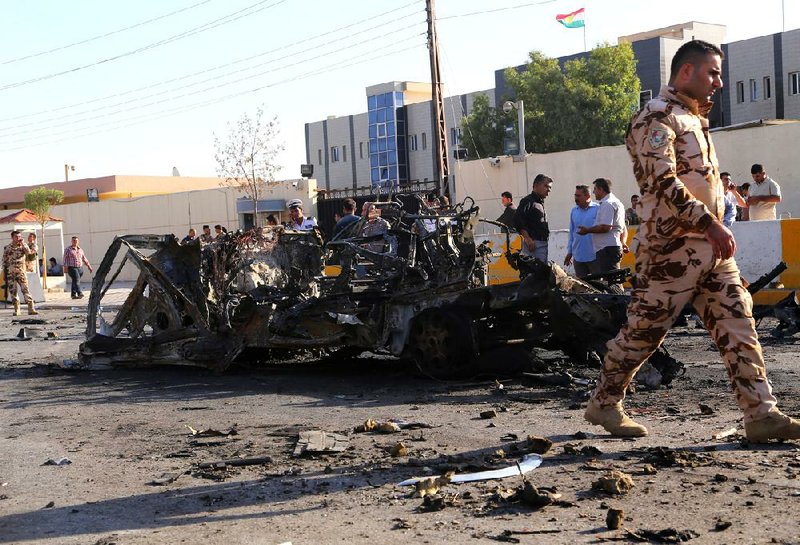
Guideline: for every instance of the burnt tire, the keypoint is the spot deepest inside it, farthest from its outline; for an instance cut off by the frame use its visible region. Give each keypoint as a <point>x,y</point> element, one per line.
<point>441,344</point>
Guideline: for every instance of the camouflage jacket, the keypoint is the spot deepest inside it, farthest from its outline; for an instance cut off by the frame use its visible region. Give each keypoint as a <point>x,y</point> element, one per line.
<point>676,167</point>
<point>14,257</point>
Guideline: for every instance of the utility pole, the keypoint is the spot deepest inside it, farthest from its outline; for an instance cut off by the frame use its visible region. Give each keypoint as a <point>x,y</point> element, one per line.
<point>437,103</point>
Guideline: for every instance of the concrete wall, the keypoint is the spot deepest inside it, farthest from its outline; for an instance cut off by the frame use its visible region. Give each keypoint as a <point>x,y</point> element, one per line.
<point>751,59</point>
<point>772,145</point>
<point>97,223</point>
<point>791,63</point>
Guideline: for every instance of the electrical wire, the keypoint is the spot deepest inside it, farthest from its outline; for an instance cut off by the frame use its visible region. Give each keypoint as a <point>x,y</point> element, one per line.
<point>314,49</point>
<point>106,35</point>
<point>231,17</point>
<point>228,64</point>
<point>183,109</point>
<point>496,10</point>
<point>291,64</point>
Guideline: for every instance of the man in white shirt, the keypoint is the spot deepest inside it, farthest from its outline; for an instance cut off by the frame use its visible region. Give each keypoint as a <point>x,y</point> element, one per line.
<point>608,232</point>
<point>765,194</point>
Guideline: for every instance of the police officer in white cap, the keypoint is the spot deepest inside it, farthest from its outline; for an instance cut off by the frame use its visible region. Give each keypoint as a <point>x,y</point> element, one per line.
<point>296,219</point>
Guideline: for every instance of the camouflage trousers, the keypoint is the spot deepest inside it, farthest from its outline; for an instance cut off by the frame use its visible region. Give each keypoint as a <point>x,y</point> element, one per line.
<point>18,278</point>
<point>670,275</point>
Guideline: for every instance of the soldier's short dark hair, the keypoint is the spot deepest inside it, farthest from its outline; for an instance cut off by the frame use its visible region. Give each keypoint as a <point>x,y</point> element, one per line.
<point>542,179</point>
<point>218,227</point>
<point>603,183</point>
<point>206,227</point>
<point>693,52</point>
<point>349,205</point>
<point>583,188</point>
<point>507,195</point>
<point>14,233</point>
<point>755,169</point>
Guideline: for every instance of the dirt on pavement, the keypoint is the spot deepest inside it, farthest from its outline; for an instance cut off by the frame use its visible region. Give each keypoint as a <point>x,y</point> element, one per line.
<point>141,445</point>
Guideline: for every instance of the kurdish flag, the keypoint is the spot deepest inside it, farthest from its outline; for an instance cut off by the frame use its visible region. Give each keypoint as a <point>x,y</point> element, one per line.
<point>572,20</point>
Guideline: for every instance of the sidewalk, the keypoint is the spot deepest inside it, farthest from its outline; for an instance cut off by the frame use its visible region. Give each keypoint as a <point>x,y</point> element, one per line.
<point>114,297</point>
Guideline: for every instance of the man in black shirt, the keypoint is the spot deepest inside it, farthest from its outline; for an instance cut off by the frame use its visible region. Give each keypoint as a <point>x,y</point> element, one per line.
<point>531,219</point>
<point>349,218</point>
<point>507,217</point>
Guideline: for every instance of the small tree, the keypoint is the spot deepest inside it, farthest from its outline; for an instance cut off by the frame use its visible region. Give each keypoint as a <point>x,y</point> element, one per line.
<point>246,160</point>
<point>39,201</point>
<point>484,129</point>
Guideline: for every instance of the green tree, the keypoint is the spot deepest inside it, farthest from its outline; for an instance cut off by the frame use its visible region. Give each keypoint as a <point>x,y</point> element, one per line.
<point>247,158</point>
<point>585,105</point>
<point>39,201</point>
<point>483,129</point>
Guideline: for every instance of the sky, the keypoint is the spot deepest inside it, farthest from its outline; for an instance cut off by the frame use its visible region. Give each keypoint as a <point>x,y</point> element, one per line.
<point>141,87</point>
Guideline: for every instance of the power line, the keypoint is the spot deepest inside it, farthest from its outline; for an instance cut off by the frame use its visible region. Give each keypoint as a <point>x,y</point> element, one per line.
<point>231,17</point>
<point>106,35</point>
<point>229,64</point>
<point>183,109</point>
<point>507,8</point>
<point>292,64</point>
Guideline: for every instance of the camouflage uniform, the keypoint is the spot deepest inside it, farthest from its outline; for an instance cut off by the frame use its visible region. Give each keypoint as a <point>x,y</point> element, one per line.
<point>14,265</point>
<point>676,167</point>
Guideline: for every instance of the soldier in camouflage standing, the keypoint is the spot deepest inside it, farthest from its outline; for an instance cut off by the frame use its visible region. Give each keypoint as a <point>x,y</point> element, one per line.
<point>14,256</point>
<point>685,254</point>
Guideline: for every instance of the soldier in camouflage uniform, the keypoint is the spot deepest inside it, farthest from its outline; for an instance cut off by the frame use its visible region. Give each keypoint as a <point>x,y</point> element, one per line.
<point>684,254</point>
<point>14,267</point>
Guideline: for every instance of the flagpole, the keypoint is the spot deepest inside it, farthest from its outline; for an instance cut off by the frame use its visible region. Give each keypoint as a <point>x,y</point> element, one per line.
<point>584,30</point>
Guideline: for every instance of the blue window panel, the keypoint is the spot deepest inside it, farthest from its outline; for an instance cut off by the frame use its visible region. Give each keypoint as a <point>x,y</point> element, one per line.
<point>373,160</point>
<point>381,144</point>
<point>381,116</point>
<point>390,143</point>
<point>373,131</point>
<point>373,146</point>
<point>389,98</point>
<point>373,116</point>
<point>390,129</point>
<point>375,174</point>
<point>384,173</point>
<point>398,98</point>
<point>393,173</point>
<point>372,102</point>
<point>381,101</point>
<point>383,159</point>
<point>392,157</point>
<point>381,130</point>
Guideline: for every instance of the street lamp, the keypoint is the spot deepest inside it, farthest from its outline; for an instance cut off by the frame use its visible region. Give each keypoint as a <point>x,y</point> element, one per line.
<point>67,168</point>
<point>508,106</point>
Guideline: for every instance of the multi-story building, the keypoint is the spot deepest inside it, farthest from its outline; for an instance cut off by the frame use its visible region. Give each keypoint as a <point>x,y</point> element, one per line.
<point>762,78</point>
<point>391,144</point>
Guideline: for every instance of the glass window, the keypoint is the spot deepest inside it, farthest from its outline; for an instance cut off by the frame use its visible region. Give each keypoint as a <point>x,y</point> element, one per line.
<point>381,144</point>
<point>381,101</point>
<point>383,159</point>
<point>335,154</point>
<point>319,156</point>
<point>753,90</point>
<point>767,86</point>
<point>372,116</point>
<point>412,142</point>
<point>739,92</point>
<point>384,173</point>
<point>794,83</point>
<point>373,146</point>
<point>424,141</point>
<point>381,116</point>
<point>373,131</point>
<point>392,157</point>
<point>372,102</point>
<point>344,154</point>
<point>398,98</point>
<point>390,143</point>
<point>381,130</point>
<point>361,150</point>
<point>393,173</point>
<point>374,175</point>
<point>389,98</point>
<point>373,160</point>
<point>390,128</point>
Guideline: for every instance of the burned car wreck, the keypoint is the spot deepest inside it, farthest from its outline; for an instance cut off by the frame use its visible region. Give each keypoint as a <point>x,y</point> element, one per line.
<point>410,281</point>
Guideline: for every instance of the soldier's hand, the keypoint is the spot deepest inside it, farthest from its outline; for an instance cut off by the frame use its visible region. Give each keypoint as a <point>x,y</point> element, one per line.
<point>722,242</point>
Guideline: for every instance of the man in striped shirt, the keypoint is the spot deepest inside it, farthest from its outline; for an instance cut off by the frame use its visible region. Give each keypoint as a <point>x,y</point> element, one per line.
<point>74,259</point>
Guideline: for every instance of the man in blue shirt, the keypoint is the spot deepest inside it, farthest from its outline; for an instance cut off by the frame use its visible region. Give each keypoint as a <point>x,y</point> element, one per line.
<point>580,249</point>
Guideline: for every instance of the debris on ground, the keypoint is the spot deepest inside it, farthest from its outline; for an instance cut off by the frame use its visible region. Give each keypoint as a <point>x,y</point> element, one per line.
<point>164,479</point>
<point>57,462</point>
<point>586,450</point>
<point>614,482</point>
<point>236,462</point>
<point>320,442</point>
<point>667,457</point>
<point>213,433</point>
<point>668,535</point>
<point>706,410</point>
<point>535,445</point>
<point>528,463</point>
<point>725,433</point>
<point>614,518</point>
<point>398,450</point>
<point>430,486</point>
<point>491,413</point>
<point>537,497</point>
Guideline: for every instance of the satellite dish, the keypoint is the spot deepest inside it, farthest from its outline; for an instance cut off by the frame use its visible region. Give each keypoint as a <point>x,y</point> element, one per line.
<point>175,171</point>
